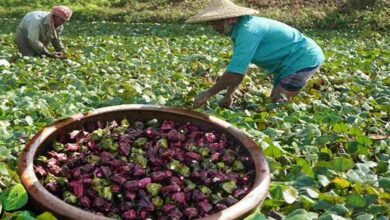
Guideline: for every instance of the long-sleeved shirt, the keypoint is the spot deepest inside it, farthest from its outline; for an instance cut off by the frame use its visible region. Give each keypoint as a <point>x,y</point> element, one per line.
<point>35,30</point>
<point>275,47</point>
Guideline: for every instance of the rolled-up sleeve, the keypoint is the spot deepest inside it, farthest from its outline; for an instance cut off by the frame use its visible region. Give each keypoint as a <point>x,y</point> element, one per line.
<point>33,38</point>
<point>245,47</point>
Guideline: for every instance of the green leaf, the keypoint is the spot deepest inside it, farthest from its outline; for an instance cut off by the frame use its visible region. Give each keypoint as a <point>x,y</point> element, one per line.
<point>340,128</point>
<point>356,201</point>
<point>20,215</point>
<point>332,197</point>
<point>29,120</point>
<point>4,153</point>
<point>330,217</point>
<point>23,217</point>
<point>301,214</point>
<point>322,205</point>
<point>364,140</point>
<point>153,189</point>
<point>290,195</point>
<point>4,134</point>
<point>355,131</point>
<point>324,181</point>
<point>277,193</point>
<point>272,132</point>
<point>274,166</point>
<point>365,217</point>
<point>385,183</point>
<point>256,216</point>
<point>13,175</point>
<point>46,216</point>
<point>354,177</point>
<point>273,151</point>
<point>376,209</point>
<point>228,186</point>
<point>312,193</point>
<point>341,164</point>
<point>306,167</point>
<point>341,182</point>
<point>339,209</point>
<point>3,169</point>
<point>14,197</point>
<point>306,202</point>
<point>304,181</point>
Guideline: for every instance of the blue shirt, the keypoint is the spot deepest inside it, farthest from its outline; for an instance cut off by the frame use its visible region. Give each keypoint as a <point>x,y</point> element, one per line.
<point>275,47</point>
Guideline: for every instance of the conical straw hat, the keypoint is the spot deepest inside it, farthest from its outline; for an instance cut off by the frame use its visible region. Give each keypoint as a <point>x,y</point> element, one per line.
<point>221,9</point>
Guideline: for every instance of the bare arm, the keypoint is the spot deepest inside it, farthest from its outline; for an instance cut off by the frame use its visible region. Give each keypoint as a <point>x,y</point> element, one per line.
<point>227,100</point>
<point>57,44</point>
<point>229,81</point>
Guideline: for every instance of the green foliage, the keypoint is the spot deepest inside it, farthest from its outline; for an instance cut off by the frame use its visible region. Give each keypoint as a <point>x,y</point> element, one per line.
<point>14,198</point>
<point>356,201</point>
<point>323,148</point>
<point>357,14</point>
<point>46,216</point>
<point>385,184</point>
<point>19,215</point>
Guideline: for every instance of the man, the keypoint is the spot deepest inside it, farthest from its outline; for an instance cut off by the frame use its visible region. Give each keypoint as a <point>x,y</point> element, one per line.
<point>38,28</point>
<point>275,47</point>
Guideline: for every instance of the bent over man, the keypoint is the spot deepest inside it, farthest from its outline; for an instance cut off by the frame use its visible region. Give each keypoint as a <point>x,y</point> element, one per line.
<point>38,28</point>
<point>277,48</point>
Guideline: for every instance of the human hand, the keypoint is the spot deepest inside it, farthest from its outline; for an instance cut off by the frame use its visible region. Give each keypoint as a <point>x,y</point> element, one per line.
<point>55,54</point>
<point>62,55</point>
<point>201,99</point>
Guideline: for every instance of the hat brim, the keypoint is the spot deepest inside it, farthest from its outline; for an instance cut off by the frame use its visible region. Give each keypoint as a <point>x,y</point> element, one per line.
<point>218,15</point>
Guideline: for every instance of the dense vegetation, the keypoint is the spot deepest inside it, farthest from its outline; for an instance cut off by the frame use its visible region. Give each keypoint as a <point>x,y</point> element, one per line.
<point>357,14</point>
<point>328,149</point>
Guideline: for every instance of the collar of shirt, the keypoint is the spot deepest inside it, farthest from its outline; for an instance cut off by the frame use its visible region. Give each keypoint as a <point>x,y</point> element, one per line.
<point>236,27</point>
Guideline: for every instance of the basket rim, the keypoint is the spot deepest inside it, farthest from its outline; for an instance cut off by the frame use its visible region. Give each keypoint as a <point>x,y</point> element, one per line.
<point>50,202</point>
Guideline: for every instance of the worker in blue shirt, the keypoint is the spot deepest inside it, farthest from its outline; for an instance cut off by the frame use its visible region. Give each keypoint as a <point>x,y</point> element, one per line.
<point>277,48</point>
